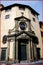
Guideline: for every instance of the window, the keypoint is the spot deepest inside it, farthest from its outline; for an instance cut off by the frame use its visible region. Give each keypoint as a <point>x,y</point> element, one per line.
<point>7,16</point>
<point>3,54</point>
<point>33,13</point>
<point>7,10</point>
<point>34,19</point>
<point>22,25</point>
<point>21,8</point>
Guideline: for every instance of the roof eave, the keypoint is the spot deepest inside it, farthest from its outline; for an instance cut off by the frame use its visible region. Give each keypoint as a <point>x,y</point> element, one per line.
<point>10,6</point>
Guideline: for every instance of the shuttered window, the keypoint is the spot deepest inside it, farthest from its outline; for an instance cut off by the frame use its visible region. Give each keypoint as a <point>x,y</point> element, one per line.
<point>3,54</point>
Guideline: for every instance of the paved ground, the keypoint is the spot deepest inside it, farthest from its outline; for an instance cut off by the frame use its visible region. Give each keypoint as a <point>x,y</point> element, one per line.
<point>31,63</point>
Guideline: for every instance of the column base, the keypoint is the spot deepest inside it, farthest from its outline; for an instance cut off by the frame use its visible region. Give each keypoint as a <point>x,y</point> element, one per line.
<point>31,60</point>
<point>11,60</point>
<point>16,60</point>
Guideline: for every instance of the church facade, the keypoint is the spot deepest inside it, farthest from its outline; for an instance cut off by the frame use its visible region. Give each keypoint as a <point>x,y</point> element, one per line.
<point>20,34</point>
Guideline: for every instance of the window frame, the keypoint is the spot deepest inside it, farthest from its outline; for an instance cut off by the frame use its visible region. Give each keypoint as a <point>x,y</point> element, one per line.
<point>22,25</point>
<point>33,19</point>
<point>7,16</point>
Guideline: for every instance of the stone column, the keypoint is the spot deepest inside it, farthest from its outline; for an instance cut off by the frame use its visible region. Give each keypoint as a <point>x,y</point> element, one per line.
<point>7,51</point>
<point>35,53</point>
<point>31,50</point>
<point>16,50</point>
<point>12,51</point>
<point>28,51</point>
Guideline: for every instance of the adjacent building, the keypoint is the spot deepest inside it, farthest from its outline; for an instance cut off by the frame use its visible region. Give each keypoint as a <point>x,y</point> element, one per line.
<point>1,6</point>
<point>20,34</point>
<point>41,29</point>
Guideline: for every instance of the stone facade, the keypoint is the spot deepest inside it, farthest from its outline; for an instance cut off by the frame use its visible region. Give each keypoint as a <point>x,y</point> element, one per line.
<point>20,34</point>
<point>41,29</point>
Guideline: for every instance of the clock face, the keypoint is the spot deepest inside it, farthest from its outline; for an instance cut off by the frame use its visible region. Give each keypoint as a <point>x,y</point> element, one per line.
<point>22,25</point>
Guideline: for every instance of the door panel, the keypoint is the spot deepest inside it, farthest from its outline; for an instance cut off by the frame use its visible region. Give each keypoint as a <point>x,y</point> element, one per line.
<point>22,51</point>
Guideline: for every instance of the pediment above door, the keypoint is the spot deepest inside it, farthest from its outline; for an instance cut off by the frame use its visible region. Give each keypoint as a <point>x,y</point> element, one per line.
<point>23,36</point>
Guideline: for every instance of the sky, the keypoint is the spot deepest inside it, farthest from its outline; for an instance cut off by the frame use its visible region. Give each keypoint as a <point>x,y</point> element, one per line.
<point>35,4</point>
